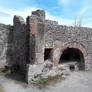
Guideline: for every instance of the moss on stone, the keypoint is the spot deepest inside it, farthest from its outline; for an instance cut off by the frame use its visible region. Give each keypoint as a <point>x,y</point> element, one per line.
<point>3,71</point>
<point>44,81</point>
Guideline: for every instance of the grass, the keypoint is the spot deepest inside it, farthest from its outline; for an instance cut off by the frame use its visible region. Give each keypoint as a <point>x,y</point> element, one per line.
<point>1,88</point>
<point>85,70</point>
<point>3,71</point>
<point>18,76</point>
<point>45,81</point>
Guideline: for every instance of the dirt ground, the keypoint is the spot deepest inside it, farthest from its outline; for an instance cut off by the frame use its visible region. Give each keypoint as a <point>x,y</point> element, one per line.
<point>75,82</point>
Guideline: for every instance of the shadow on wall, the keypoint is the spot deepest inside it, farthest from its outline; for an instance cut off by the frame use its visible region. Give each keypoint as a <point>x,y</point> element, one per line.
<point>73,56</point>
<point>9,52</point>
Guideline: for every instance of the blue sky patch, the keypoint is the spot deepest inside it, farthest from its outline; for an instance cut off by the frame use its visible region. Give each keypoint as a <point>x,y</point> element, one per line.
<point>63,11</point>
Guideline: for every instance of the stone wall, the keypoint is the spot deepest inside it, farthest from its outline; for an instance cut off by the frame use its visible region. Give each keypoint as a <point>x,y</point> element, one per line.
<point>39,47</point>
<point>67,34</point>
<point>20,42</point>
<point>48,34</point>
<point>24,43</point>
<point>36,27</point>
<point>5,44</point>
<point>36,51</point>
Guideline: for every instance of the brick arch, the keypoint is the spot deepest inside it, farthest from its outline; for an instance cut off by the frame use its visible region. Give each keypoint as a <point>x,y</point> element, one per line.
<point>58,51</point>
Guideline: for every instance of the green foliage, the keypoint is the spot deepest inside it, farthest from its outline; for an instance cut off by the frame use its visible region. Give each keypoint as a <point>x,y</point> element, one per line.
<point>3,71</point>
<point>44,81</point>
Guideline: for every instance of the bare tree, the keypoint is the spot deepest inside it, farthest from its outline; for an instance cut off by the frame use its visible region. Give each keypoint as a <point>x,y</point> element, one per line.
<point>78,22</point>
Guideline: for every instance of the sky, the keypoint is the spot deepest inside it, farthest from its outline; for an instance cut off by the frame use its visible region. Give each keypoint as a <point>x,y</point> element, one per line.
<point>63,11</point>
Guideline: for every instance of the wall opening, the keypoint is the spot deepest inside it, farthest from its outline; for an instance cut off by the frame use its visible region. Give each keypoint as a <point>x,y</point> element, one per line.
<point>71,67</point>
<point>73,56</point>
<point>47,53</point>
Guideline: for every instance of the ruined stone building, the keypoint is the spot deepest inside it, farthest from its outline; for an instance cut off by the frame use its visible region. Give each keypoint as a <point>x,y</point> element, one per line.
<point>38,40</point>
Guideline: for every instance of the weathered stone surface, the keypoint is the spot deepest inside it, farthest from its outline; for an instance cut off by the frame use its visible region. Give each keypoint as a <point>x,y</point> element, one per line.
<point>65,34</point>
<point>36,28</point>
<point>5,44</point>
<point>39,13</point>
<point>20,42</point>
<point>24,44</point>
<point>44,70</point>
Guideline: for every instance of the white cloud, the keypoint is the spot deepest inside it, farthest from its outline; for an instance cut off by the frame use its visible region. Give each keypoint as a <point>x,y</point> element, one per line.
<point>60,20</point>
<point>70,22</point>
<point>83,11</point>
<point>9,19</point>
<point>65,4</point>
<point>64,1</point>
<point>25,12</point>
<point>6,20</point>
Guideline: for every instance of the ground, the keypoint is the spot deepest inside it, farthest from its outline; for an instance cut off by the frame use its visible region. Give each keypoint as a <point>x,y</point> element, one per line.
<point>76,82</point>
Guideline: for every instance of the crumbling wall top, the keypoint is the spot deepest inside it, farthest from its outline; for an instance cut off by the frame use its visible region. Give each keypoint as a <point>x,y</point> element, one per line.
<point>39,13</point>
<point>18,19</point>
<point>50,22</point>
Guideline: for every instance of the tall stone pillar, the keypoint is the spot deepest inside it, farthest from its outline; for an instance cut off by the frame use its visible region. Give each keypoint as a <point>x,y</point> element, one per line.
<point>39,46</point>
<point>36,27</point>
<point>19,42</point>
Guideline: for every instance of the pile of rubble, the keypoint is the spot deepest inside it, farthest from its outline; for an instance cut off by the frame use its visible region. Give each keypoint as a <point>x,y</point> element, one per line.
<point>36,72</point>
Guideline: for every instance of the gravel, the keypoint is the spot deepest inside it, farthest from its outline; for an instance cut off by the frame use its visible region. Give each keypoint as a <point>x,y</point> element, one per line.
<point>75,82</point>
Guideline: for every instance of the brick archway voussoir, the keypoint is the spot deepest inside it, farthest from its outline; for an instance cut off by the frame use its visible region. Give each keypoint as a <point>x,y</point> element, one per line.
<point>59,50</point>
